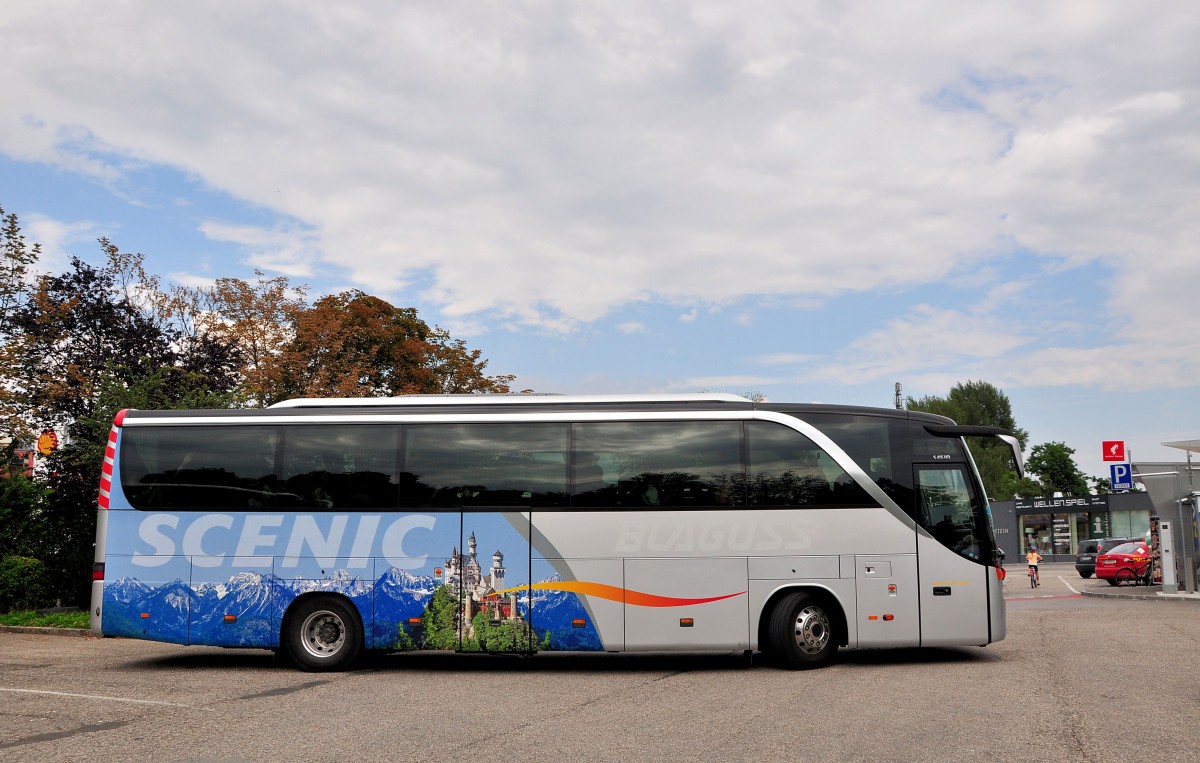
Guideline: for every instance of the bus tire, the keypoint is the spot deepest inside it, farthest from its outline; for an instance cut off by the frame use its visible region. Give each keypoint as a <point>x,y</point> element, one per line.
<point>322,633</point>
<point>802,632</point>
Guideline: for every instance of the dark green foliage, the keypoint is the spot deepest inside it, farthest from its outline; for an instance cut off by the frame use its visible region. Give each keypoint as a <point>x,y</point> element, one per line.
<point>23,505</point>
<point>982,404</point>
<point>404,640</point>
<point>15,260</point>
<point>1054,463</point>
<point>22,583</point>
<point>505,636</point>
<point>440,621</point>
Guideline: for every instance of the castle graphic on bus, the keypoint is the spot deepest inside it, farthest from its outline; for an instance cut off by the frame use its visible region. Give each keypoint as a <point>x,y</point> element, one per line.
<point>474,611</point>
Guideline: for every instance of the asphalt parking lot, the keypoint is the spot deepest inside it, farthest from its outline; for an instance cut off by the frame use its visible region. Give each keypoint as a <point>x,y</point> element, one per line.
<point>1077,678</point>
<point>1063,574</point>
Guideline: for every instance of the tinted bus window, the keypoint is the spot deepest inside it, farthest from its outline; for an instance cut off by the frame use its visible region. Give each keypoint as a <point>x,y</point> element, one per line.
<point>950,511</point>
<point>485,465</point>
<point>881,446</point>
<point>199,467</point>
<point>788,469</point>
<point>658,463</point>
<point>342,467</point>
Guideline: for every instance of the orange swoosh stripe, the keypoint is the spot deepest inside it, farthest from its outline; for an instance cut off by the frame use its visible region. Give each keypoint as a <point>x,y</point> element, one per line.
<point>614,593</point>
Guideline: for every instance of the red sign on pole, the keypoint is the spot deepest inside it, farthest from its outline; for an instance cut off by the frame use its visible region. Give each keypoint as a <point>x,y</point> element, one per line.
<point>1114,450</point>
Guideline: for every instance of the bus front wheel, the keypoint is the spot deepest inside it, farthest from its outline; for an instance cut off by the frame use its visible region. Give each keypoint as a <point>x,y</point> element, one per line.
<point>802,631</point>
<point>323,633</point>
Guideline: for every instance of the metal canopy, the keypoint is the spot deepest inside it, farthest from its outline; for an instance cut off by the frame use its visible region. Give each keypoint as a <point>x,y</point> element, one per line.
<point>1192,446</point>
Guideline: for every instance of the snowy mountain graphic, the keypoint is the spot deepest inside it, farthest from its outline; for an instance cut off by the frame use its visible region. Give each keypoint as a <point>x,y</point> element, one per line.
<point>398,596</point>
<point>246,610</point>
<point>125,590</point>
<point>554,614</point>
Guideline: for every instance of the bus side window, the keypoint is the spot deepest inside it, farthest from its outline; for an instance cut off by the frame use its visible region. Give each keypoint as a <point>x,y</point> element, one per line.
<point>789,469</point>
<point>659,463</point>
<point>200,467</point>
<point>512,464</point>
<point>348,467</point>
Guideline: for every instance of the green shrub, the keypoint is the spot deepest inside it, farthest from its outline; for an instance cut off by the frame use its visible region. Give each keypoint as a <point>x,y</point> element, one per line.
<point>22,583</point>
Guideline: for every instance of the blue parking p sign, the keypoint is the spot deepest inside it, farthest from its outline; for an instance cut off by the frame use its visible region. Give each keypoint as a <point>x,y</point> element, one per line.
<point>1122,476</point>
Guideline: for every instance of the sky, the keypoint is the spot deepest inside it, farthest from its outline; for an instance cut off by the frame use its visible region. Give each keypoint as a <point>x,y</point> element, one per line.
<point>811,201</point>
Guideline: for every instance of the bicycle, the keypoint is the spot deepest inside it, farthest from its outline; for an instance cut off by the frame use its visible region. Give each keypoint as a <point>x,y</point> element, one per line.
<point>1138,574</point>
<point>1034,578</point>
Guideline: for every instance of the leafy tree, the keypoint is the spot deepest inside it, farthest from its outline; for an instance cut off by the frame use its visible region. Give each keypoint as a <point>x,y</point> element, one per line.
<point>457,369</point>
<point>22,583</point>
<point>69,332</point>
<point>14,269</point>
<point>1010,486</point>
<point>353,344</point>
<point>23,504</point>
<point>86,343</point>
<point>980,403</point>
<point>975,403</point>
<point>258,318</point>
<point>1053,462</point>
<point>74,469</point>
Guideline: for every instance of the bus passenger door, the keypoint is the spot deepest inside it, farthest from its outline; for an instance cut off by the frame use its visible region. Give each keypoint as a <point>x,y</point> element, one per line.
<point>491,570</point>
<point>954,584</point>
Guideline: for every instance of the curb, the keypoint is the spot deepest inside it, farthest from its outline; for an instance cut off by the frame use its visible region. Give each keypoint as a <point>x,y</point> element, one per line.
<point>38,631</point>
<point>1142,596</point>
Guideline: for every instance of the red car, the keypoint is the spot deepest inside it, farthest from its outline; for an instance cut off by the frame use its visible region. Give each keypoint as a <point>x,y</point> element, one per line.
<point>1127,562</point>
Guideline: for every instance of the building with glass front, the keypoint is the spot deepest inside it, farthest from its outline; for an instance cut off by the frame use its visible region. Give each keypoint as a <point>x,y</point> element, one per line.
<point>1054,526</point>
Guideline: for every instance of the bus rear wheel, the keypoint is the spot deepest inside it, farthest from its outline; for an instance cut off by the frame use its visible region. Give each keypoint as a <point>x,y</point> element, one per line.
<point>801,632</point>
<point>323,633</point>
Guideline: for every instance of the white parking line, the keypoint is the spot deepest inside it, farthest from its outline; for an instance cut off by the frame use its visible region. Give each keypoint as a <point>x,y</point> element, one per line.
<point>94,696</point>
<point>1068,585</point>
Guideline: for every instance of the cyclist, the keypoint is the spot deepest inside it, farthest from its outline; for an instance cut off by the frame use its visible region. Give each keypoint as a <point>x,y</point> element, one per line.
<point>1033,557</point>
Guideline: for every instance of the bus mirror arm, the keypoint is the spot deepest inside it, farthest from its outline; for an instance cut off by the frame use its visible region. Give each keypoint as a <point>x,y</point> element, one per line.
<point>1018,458</point>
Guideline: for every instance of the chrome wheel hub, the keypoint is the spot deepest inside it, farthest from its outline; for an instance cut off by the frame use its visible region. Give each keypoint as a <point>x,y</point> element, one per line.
<point>324,634</point>
<point>812,631</point>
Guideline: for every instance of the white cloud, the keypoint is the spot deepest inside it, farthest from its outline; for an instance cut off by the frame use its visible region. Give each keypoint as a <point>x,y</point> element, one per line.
<point>545,165</point>
<point>282,251</point>
<point>927,339</point>
<point>60,240</point>
<point>784,358</point>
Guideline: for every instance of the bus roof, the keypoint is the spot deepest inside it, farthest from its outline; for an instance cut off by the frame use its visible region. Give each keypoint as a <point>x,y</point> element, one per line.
<point>522,404</point>
<point>514,399</point>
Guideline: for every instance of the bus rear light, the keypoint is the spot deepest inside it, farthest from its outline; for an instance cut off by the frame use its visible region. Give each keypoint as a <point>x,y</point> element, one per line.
<point>145,615</point>
<point>872,617</point>
<point>686,622</point>
<point>889,618</point>
<point>98,571</point>
<point>579,623</point>
<point>231,618</point>
<point>414,621</point>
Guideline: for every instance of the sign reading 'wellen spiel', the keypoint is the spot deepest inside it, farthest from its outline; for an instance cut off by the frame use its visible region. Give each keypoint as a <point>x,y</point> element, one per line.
<point>1070,503</point>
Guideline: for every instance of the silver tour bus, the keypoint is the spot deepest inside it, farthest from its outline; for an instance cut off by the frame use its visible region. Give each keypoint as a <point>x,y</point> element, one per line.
<point>525,523</point>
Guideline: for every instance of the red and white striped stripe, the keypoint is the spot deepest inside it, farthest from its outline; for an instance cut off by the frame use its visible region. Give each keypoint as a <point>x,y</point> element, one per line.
<point>110,455</point>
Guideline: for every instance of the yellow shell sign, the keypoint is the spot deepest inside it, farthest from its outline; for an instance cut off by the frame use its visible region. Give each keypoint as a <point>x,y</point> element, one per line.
<point>47,442</point>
